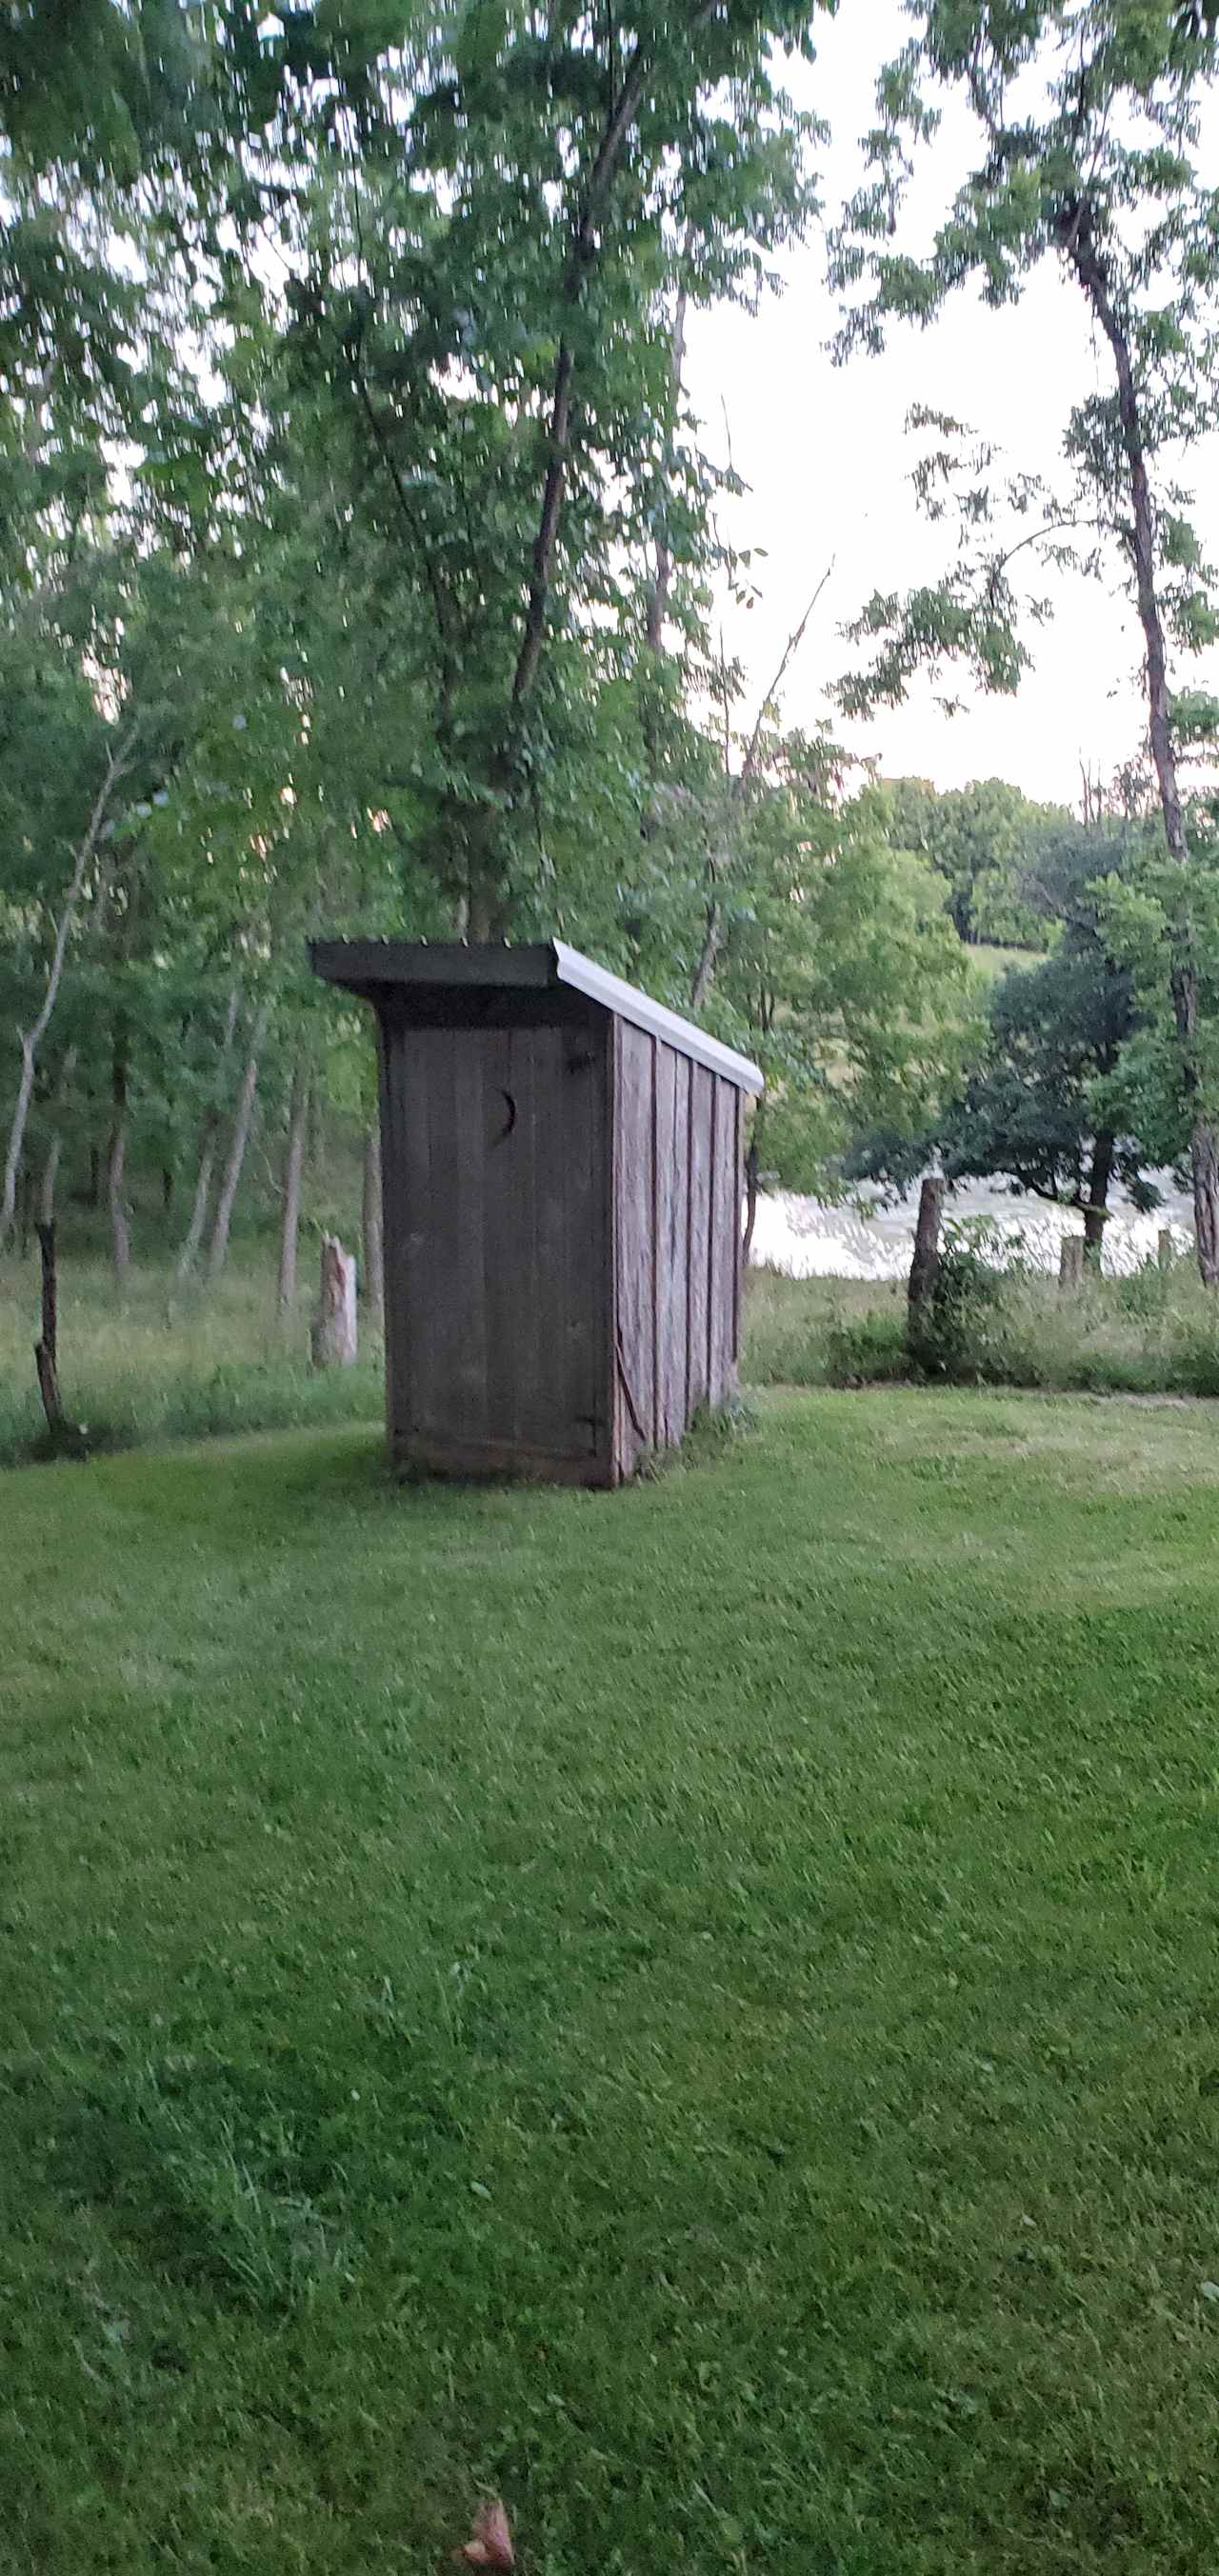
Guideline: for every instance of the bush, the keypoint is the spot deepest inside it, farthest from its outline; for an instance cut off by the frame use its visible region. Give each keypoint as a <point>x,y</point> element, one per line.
<point>994,1321</point>
<point>868,1350</point>
<point>953,1335</point>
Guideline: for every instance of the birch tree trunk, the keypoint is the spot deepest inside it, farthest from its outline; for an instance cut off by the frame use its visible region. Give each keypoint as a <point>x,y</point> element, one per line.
<point>114,1193</point>
<point>662,576</point>
<point>1088,262</point>
<point>242,1123</point>
<point>374,1247</point>
<point>50,1169</point>
<point>50,1175</point>
<point>116,1163</point>
<point>294,1164</point>
<point>207,1156</point>
<point>31,1038</point>
<point>116,1166</point>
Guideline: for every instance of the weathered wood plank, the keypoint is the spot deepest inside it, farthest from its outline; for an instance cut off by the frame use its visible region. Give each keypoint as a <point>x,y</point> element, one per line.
<point>635,1339</point>
<point>585,1302</point>
<point>724,1229</point>
<point>500,1191</point>
<point>702,1097</point>
<point>409,1192</point>
<point>365,965</point>
<point>424,1455</point>
<point>738,1197</point>
<point>672,1193</point>
<point>390,1077</point>
<point>465,1415</point>
<point>432,1237</point>
<point>551,1419</point>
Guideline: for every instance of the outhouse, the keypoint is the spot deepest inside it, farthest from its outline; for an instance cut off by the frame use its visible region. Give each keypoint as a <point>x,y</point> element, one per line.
<point>561,1167</point>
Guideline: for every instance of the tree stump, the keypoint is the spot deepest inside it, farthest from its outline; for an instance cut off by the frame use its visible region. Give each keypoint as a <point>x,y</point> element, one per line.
<point>333,1335</point>
<point>1071,1265</point>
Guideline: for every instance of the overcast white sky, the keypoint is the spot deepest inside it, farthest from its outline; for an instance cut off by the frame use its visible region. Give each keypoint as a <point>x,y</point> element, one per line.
<point>827,460</point>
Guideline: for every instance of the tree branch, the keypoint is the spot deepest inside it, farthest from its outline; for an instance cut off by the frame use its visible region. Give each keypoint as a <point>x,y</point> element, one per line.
<point>580,260</point>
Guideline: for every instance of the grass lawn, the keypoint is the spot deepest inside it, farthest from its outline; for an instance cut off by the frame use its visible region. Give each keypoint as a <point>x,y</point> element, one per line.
<point>696,2010</point>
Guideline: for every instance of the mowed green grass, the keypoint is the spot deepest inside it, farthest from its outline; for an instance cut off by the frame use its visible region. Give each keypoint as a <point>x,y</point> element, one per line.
<point>695,2010</point>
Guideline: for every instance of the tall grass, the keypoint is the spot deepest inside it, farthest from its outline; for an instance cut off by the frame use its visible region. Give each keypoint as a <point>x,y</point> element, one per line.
<point>173,1363</point>
<point>169,1362</point>
<point>1151,1332</point>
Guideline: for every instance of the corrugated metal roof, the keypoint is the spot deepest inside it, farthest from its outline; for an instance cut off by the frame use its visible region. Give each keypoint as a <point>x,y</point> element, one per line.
<point>366,966</point>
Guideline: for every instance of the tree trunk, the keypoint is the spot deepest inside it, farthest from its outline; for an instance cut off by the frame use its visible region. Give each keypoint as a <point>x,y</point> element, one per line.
<point>661,583</point>
<point>198,1215</point>
<point>50,1174</point>
<point>751,1204</point>
<point>46,1349</point>
<point>333,1337</point>
<point>374,1249</point>
<point>116,1161</point>
<point>31,1038</point>
<point>582,262</point>
<point>242,1123</point>
<point>924,1268</point>
<point>207,1155</point>
<point>708,953</point>
<point>94,1197</point>
<point>1097,1208</point>
<point>167,1187</point>
<point>50,1169</point>
<point>1080,244</point>
<point>1204,1167</point>
<point>294,1164</point>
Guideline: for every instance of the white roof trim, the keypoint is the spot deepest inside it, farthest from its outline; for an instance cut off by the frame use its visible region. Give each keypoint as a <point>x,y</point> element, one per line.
<point>625,1000</point>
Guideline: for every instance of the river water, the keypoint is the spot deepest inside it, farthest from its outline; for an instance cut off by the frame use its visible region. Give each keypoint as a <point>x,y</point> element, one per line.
<point>862,1239</point>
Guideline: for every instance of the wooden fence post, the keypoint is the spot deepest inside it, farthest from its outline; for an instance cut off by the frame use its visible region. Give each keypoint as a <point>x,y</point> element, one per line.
<point>333,1335</point>
<point>1071,1265</point>
<point>1164,1251</point>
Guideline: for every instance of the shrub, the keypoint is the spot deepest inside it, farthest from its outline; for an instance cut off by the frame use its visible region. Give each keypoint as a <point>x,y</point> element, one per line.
<point>952,1336</point>
<point>866,1349</point>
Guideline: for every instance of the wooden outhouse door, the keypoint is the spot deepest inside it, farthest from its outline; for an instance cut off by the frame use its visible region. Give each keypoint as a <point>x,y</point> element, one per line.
<point>500,1231</point>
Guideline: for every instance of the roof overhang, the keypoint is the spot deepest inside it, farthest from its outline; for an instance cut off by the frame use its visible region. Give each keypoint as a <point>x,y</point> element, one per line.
<point>374,967</point>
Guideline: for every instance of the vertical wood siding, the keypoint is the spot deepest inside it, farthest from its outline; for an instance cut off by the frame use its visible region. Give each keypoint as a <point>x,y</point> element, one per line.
<point>562,1226</point>
<point>725,1239</point>
<point>495,1242</point>
<point>677,1231</point>
<point>635,1352</point>
<point>699,1327</point>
